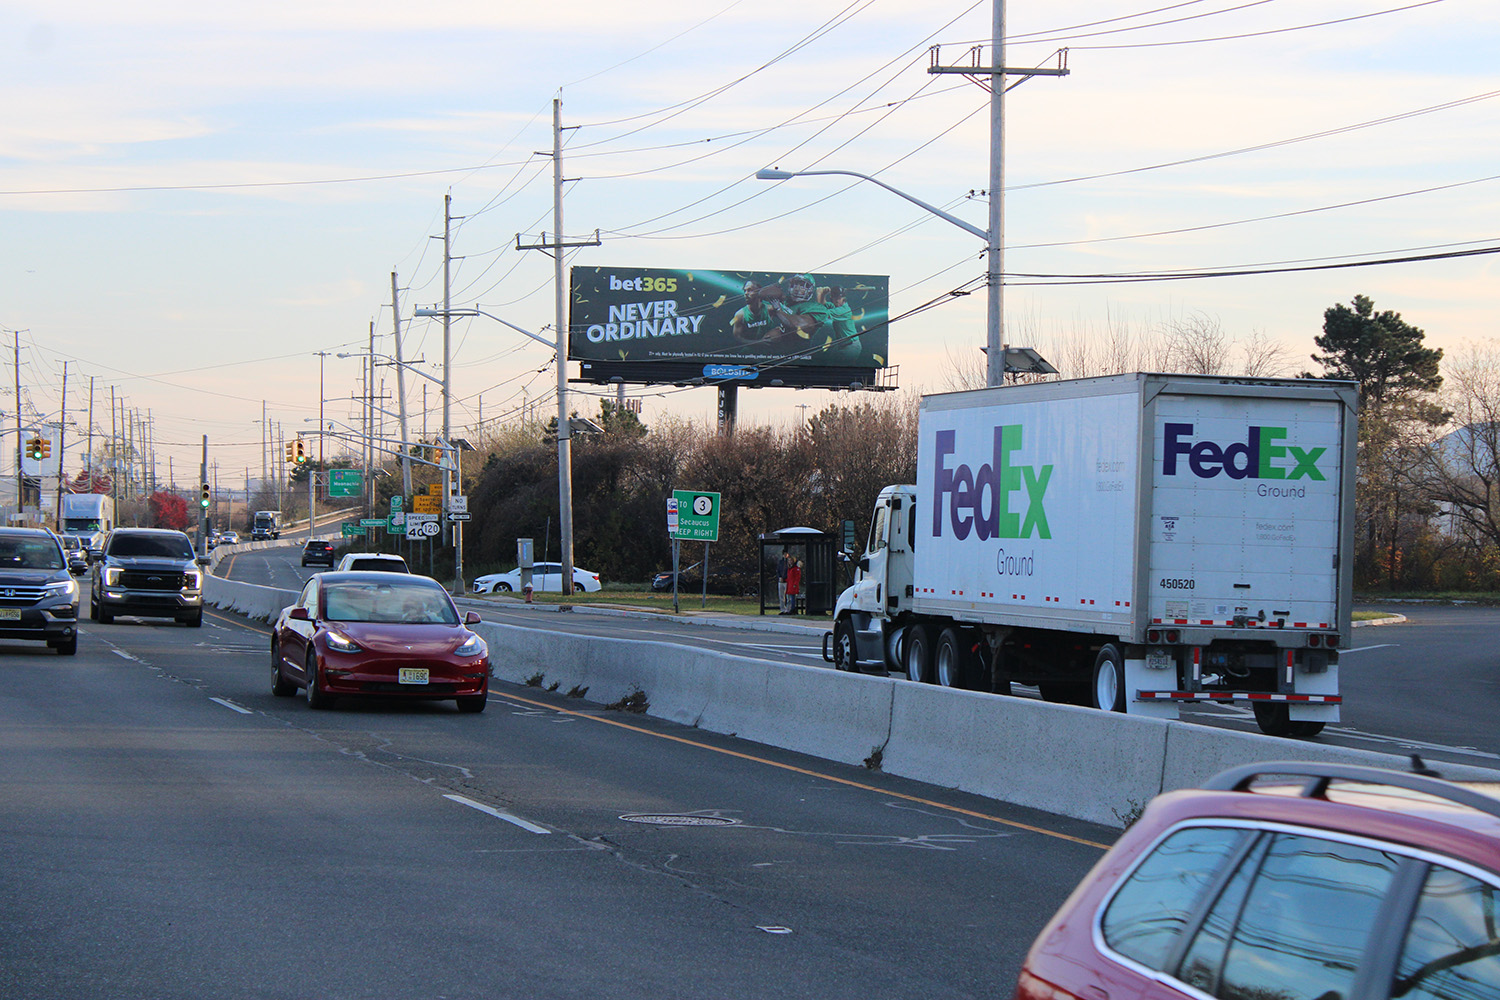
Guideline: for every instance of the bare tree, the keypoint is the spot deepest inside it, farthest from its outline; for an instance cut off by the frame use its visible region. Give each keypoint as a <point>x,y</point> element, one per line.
<point>1460,470</point>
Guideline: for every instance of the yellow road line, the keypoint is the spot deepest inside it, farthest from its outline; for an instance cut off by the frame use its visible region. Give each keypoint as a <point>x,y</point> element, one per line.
<point>621,724</point>
<point>812,774</point>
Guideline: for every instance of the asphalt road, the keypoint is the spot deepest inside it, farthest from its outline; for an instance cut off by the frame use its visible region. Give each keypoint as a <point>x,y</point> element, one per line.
<point>1428,686</point>
<point>171,830</point>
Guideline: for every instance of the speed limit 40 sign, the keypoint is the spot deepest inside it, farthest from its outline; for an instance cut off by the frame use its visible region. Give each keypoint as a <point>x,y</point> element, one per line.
<point>697,516</point>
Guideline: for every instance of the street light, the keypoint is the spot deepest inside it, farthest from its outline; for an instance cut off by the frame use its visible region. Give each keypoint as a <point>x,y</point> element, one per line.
<point>564,430</point>
<point>994,349</point>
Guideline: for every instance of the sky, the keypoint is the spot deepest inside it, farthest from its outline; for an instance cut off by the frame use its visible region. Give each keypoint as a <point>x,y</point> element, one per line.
<point>198,201</point>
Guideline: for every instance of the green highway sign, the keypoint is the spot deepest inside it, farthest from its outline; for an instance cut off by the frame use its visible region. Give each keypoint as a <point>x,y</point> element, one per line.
<point>697,516</point>
<point>352,529</point>
<point>345,482</point>
<point>372,522</point>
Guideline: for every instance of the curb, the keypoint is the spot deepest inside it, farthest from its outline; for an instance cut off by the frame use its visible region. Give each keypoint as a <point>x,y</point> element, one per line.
<point>709,620</point>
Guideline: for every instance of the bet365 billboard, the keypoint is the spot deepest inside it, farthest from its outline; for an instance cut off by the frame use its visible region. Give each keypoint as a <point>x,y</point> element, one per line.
<point>756,322</point>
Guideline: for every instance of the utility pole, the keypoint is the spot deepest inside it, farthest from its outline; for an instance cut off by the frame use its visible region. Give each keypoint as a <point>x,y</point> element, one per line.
<point>400,387</point>
<point>114,453</point>
<point>447,359</point>
<point>20,495</point>
<point>91,434</point>
<point>564,431</point>
<point>265,431</point>
<point>995,74</point>
<point>62,430</point>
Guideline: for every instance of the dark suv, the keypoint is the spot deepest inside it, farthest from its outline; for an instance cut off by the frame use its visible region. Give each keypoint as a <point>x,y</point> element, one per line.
<point>318,552</point>
<point>150,572</point>
<point>38,595</point>
<point>1352,883</point>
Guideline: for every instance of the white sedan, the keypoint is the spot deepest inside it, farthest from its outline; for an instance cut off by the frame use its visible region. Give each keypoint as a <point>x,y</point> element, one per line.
<point>544,576</point>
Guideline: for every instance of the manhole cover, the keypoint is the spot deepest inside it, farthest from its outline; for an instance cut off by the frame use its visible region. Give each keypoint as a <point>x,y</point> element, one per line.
<point>677,819</point>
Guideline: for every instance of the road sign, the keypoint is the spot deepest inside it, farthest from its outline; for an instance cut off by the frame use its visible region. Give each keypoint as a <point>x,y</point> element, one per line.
<point>349,529</point>
<point>397,503</point>
<point>697,516</point>
<point>372,522</point>
<point>426,503</point>
<point>345,482</point>
<point>435,489</point>
<point>458,505</point>
<point>458,515</point>
<point>430,528</point>
<point>672,516</point>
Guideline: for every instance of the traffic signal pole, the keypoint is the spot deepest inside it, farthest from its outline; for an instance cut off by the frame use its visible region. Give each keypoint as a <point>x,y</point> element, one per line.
<point>203,500</point>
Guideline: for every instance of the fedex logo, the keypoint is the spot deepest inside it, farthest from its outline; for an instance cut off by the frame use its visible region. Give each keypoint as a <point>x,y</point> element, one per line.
<point>1257,457</point>
<point>979,501</point>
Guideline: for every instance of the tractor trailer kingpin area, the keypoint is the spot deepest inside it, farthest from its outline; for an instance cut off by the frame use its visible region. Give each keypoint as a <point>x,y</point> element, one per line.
<point>1130,543</point>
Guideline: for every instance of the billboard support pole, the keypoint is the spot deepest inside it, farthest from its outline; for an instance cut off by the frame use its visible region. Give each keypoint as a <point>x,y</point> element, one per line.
<point>729,405</point>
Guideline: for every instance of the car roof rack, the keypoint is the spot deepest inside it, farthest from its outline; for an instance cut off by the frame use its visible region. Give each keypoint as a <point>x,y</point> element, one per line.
<point>1319,776</point>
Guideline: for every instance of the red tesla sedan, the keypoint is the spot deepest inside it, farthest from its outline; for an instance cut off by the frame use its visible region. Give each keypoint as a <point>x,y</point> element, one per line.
<point>369,633</point>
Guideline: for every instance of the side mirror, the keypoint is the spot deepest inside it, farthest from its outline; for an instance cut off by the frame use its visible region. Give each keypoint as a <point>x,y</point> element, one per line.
<point>472,618</point>
<point>202,560</point>
<point>299,614</point>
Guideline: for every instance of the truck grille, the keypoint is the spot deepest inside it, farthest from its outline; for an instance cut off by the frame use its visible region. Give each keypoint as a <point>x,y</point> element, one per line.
<point>151,580</point>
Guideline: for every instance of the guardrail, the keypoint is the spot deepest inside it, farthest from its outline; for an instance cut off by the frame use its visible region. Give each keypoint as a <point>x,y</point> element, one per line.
<point>1077,762</point>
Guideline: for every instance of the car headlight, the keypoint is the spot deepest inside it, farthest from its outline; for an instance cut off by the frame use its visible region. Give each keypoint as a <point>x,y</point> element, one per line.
<point>111,576</point>
<point>472,646</point>
<point>62,588</point>
<point>192,580</point>
<point>340,643</point>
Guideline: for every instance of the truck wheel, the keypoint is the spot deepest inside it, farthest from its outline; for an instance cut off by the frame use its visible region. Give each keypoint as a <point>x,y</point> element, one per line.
<point>953,660</point>
<point>1274,719</point>
<point>844,657</point>
<point>1108,690</point>
<point>919,654</point>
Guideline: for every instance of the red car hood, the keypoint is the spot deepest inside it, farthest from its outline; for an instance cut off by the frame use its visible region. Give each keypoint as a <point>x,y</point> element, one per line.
<point>416,640</point>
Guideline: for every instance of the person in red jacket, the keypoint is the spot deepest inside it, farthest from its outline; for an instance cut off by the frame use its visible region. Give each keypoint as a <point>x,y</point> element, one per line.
<point>793,585</point>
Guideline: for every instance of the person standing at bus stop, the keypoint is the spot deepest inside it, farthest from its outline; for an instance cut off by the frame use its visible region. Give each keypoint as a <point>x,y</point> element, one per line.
<point>793,586</point>
<point>781,568</point>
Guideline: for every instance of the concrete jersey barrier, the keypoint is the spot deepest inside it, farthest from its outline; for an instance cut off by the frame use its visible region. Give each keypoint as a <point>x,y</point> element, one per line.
<point>1076,762</point>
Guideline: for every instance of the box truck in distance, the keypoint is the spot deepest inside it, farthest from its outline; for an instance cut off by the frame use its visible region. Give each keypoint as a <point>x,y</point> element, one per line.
<point>1130,543</point>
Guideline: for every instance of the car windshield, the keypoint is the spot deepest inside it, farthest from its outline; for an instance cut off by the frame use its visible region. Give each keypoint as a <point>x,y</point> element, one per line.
<point>387,565</point>
<point>408,603</point>
<point>164,546</point>
<point>29,553</point>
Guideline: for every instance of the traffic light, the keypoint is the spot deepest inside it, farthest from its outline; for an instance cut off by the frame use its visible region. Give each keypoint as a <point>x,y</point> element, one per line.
<point>300,452</point>
<point>46,447</point>
<point>290,451</point>
<point>34,449</point>
<point>203,499</point>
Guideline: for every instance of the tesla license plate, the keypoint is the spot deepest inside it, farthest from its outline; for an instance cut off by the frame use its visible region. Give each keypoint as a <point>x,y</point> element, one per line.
<point>413,675</point>
<point>10,614</point>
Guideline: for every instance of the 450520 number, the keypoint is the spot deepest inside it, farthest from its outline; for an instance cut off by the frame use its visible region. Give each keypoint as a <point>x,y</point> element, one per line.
<point>1174,584</point>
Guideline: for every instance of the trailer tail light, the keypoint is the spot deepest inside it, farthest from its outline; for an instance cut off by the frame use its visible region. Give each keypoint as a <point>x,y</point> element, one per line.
<point>1173,635</point>
<point>1331,641</point>
<point>1031,987</point>
<point>1315,640</point>
<point>1156,636</point>
<point>1153,636</point>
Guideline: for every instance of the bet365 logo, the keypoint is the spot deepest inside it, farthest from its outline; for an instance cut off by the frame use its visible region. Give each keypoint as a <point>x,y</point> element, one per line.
<point>1259,456</point>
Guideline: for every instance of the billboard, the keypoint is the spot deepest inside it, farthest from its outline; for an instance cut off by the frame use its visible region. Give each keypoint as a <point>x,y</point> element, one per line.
<point>731,325</point>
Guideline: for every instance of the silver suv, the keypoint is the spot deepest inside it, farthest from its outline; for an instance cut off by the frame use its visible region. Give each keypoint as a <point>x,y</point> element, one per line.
<point>150,572</point>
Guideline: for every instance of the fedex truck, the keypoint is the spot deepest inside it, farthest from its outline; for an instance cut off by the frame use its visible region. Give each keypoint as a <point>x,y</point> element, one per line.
<point>1130,543</point>
<point>89,515</point>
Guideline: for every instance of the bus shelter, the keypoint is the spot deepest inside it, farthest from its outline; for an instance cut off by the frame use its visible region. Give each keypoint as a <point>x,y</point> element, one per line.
<point>815,550</point>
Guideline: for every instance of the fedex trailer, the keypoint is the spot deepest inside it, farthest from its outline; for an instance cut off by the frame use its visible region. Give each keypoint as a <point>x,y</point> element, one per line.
<point>1130,543</point>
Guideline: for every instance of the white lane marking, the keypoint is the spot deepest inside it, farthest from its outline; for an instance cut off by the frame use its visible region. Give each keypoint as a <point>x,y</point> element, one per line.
<point>232,706</point>
<point>498,814</point>
<point>121,652</point>
<point>1361,649</point>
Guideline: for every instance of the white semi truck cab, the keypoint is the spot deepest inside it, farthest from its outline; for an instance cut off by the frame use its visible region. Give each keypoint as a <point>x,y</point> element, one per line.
<point>1131,543</point>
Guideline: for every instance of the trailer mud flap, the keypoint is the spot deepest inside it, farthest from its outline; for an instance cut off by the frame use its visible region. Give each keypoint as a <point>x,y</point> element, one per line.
<point>1138,678</point>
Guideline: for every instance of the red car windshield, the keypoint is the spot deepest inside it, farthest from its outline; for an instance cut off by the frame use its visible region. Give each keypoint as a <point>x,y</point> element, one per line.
<point>392,603</point>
